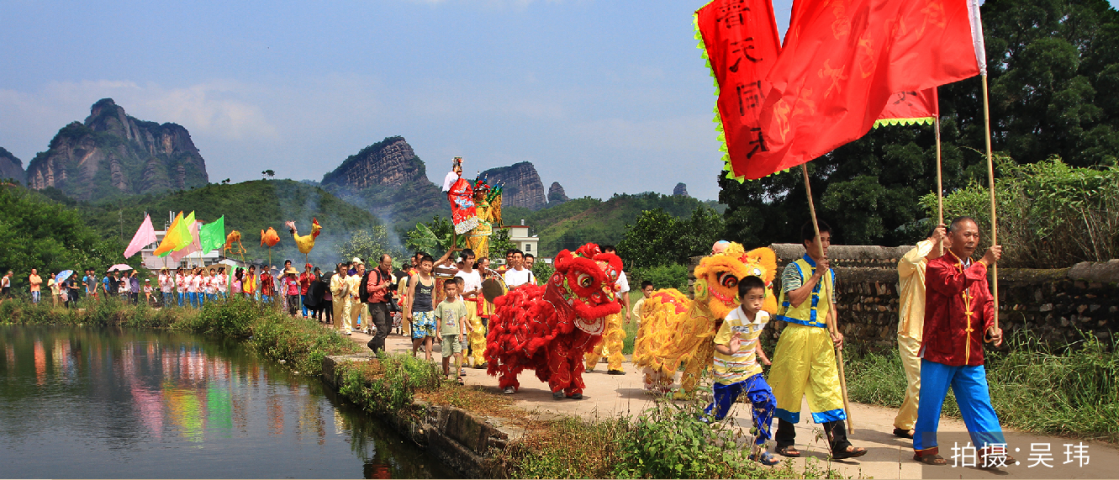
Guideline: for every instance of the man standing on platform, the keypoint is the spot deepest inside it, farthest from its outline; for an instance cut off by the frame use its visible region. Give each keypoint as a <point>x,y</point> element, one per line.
<point>911,320</point>
<point>959,316</point>
<point>804,359</point>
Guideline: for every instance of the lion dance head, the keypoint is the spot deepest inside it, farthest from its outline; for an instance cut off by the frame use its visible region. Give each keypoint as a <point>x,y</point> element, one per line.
<point>717,277</point>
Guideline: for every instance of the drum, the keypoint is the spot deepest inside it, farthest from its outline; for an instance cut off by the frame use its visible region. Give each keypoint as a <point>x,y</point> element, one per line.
<point>493,288</point>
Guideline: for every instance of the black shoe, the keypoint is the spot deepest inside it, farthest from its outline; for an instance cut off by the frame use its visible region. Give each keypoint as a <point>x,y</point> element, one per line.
<point>615,372</point>
<point>900,433</point>
<point>558,395</point>
<point>577,396</point>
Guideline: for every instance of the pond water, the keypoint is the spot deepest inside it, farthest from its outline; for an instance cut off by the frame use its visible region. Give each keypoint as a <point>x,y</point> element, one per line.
<point>100,403</point>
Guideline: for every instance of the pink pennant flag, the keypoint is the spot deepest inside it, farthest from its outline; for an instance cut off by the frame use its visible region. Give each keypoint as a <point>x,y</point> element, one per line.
<point>144,236</point>
<point>195,245</point>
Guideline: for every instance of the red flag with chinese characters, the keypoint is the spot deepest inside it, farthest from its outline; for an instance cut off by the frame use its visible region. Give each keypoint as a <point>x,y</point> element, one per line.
<point>841,63</point>
<point>739,39</point>
<point>910,107</point>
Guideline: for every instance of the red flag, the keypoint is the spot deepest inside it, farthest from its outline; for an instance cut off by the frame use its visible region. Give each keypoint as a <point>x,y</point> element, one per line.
<point>739,39</point>
<point>842,61</point>
<point>910,107</point>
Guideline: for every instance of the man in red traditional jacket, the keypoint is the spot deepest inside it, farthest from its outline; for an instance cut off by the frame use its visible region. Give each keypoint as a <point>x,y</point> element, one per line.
<point>959,317</point>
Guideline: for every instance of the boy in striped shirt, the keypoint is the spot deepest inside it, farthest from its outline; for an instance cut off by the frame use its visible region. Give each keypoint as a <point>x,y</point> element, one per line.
<point>736,368</point>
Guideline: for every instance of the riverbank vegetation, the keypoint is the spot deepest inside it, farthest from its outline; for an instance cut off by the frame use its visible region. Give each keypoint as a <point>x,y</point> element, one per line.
<point>1071,392</point>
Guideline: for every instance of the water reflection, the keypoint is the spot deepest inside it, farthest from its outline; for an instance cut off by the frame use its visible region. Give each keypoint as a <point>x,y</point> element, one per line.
<point>119,403</point>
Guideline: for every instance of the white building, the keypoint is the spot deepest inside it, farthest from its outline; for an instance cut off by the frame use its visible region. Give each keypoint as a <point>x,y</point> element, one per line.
<point>518,234</point>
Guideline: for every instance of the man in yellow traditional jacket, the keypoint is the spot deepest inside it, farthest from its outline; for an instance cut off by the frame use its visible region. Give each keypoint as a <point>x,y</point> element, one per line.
<point>804,359</point>
<point>911,319</point>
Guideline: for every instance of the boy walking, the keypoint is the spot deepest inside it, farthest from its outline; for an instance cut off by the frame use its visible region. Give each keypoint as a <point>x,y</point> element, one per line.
<point>419,310</point>
<point>450,316</point>
<point>736,367</point>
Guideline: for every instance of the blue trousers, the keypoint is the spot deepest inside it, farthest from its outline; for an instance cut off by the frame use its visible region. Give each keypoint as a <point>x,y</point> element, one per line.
<point>181,295</point>
<point>760,396</point>
<point>303,300</point>
<point>972,395</point>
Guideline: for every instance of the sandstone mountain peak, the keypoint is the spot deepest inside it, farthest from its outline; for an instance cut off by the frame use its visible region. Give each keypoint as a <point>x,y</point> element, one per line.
<point>556,195</point>
<point>112,153</point>
<point>11,167</point>
<point>681,190</point>
<point>523,187</point>
<point>390,162</point>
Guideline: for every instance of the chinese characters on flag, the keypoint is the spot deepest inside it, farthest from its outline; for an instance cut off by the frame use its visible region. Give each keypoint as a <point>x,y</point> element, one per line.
<point>909,107</point>
<point>740,42</point>
<point>842,64</point>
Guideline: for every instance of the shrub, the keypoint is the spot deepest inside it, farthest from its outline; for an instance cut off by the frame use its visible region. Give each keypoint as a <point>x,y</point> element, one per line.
<point>1050,215</point>
<point>388,384</point>
<point>663,276</point>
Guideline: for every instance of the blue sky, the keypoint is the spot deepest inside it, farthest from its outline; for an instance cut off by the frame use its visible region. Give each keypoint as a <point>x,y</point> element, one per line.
<point>603,96</point>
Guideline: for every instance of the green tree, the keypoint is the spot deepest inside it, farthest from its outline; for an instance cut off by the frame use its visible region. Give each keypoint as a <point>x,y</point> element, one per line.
<point>658,238</point>
<point>39,233</point>
<point>500,243</point>
<point>434,237</point>
<point>368,245</point>
<point>1054,89</point>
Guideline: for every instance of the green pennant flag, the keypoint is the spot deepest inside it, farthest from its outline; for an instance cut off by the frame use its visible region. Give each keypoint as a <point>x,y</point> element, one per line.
<point>212,235</point>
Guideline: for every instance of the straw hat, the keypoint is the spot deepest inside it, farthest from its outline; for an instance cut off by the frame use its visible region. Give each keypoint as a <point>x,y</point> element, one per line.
<point>357,261</point>
<point>290,271</point>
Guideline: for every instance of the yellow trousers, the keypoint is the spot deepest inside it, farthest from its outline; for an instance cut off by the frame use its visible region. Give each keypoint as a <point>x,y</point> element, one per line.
<point>354,307</point>
<point>477,336</point>
<point>804,366</point>
<point>613,338</point>
<point>909,348</point>
<point>339,313</point>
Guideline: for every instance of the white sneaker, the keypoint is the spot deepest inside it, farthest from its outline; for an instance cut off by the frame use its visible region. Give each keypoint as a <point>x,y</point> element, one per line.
<point>509,390</point>
<point>349,332</point>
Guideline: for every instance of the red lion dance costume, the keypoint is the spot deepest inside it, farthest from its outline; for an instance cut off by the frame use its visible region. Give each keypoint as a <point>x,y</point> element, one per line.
<point>548,328</point>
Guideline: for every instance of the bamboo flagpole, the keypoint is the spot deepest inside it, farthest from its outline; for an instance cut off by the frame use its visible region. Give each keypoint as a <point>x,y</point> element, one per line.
<point>832,328</point>
<point>991,184</point>
<point>939,169</point>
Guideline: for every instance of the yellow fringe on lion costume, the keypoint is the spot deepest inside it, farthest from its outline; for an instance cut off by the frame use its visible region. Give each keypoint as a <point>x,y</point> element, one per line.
<point>675,329</point>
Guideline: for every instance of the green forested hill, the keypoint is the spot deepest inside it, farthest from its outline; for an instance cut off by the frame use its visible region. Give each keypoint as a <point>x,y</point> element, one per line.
<point>581,220</point>
<point>248,207</point>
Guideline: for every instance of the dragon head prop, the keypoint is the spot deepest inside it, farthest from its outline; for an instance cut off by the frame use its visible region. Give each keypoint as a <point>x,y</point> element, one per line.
<point>585,280</point>
<point>717,277</point>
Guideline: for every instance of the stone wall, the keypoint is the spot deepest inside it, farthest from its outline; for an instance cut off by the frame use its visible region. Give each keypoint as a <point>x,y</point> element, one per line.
<point>1051,306</point>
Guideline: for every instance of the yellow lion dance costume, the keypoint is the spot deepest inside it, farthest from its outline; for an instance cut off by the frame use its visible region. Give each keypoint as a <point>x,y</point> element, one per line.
<point>675,329</point>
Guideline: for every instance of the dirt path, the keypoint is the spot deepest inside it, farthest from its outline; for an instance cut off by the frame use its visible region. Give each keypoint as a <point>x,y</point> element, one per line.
<point>887,457</point>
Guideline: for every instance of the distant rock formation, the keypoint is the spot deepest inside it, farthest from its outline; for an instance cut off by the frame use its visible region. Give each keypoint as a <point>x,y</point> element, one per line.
<point>523,187</point>
<point>681,190</point>
<point>112,153</point>
<point>11,167</point>
<point>390,162</point>
<point>556,195</point>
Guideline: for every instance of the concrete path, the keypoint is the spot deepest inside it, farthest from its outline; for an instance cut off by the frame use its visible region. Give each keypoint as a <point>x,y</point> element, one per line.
<point>887,457</point>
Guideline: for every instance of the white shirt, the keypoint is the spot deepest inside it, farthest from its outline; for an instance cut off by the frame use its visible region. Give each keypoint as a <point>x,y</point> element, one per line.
<point>622,283</point>
<point>516,278</point>
<point>470,281</point>
<point>165,282</point>
<point>449,180</point>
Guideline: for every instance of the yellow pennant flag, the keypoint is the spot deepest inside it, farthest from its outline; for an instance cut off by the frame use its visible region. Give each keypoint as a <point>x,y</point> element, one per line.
<point>168,243</point>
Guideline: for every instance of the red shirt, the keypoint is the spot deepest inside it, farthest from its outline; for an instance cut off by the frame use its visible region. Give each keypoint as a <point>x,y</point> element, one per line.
<point>305,280</point>
<point>958,310</point>
<point>374,285</point>
<point>267,285</point>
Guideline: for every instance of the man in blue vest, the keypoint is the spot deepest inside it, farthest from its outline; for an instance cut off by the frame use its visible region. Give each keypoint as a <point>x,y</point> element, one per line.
<point>804,359</point>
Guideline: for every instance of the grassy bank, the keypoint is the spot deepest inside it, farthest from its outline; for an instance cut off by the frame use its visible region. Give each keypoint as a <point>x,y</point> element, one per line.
<point>663,442</point>
<point>299,343</point>
<point>1072,392</point>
